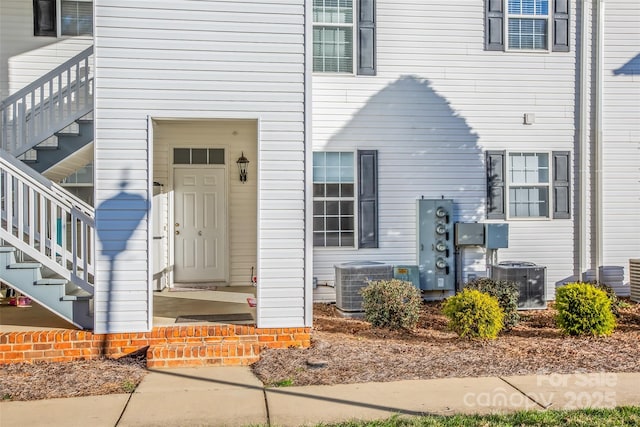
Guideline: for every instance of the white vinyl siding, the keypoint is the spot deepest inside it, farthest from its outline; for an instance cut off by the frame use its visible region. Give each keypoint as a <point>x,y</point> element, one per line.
<point>621,134</point>
<point>438,102</point>
<point>222,60</point>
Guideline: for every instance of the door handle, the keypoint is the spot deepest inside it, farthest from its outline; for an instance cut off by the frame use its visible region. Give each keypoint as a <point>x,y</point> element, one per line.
<point>199,233</point>
<point>177,232</point>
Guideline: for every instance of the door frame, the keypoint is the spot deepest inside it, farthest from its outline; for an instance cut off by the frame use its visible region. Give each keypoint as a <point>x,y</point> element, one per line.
<point>171,206</point>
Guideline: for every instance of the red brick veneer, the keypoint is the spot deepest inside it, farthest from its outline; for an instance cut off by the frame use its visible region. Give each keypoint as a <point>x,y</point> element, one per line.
<point>168,346</point>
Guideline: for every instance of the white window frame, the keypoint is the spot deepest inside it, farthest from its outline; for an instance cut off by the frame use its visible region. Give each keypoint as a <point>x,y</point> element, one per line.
<point>353,199</point>
<point>548,186</point>
<point>354,41</point>
<point>548,18</point>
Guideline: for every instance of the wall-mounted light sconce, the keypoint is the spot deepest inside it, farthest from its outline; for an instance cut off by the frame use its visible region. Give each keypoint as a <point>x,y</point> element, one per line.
<point>242,167</point>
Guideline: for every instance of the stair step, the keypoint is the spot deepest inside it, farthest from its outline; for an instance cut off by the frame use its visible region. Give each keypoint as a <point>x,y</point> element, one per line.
<point>24,265</point>
<point>76,298</point>
<point>6,249</point>
<point>46,147</point>
<point>50,281</point>
<point>84,121</point>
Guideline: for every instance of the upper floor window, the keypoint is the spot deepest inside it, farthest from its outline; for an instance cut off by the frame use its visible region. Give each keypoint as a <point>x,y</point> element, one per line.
<point>344,36</point>
<point>541,25</point>
<point>62,17</point>
<point>333,35</point>
<point>528,24</point>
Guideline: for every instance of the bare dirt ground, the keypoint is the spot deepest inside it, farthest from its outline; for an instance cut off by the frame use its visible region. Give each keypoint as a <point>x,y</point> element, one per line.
<point>351,351</point>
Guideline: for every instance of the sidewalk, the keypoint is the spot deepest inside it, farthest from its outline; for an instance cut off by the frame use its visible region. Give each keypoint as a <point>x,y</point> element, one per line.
<point>234,397</point>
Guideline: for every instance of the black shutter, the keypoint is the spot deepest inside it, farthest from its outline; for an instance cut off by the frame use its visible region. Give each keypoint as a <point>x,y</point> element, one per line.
<point>44,18</point>
<point>561,188</point>
<point>494,25</point>
<point>561,26</point>
<point>495,185</point>
<point>367,37</point>
<point>368,198</point>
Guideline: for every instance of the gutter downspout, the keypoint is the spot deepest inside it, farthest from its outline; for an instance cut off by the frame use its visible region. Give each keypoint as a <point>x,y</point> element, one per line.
<point>597,135</point>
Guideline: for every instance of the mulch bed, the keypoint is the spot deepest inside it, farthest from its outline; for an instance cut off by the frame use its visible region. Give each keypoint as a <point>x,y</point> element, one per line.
<point>351,351</point>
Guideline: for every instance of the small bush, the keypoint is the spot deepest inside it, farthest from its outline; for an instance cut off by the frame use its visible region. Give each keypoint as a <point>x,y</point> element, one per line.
<point>393,304</point>
<point>474,314</point>
<point>616,303</point>
<point>583,309</point>
<point>506,292</point>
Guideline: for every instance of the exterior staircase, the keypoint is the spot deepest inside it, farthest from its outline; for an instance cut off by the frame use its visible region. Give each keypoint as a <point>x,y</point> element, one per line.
<point>60,296</point>
<point>47,235</point>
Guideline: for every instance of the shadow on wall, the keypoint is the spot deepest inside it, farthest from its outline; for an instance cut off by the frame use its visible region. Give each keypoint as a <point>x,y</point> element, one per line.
<point>631,68</point>
<point>117,219</point>
<point>425,148</point>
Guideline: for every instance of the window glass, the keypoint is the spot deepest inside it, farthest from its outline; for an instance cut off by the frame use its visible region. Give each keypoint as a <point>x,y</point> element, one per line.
<point>199,156</point>
<point>528,24</point>
<point>334,204</point>
<point>76,18</point>
<point>181,156</point>
<point>333,36</point>
<point>216,156</point>
<point>528,185</point>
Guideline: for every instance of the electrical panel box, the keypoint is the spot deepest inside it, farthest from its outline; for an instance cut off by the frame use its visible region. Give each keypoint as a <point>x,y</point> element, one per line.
<point>469,234</point>
<point>436,259</point>
<point>497,236</point>
<point>407,273</point>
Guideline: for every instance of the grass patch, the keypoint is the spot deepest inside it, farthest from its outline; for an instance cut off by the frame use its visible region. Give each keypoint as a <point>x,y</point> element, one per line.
<point>621,416</point>
<point>129,386</point>
<point>287,382</point>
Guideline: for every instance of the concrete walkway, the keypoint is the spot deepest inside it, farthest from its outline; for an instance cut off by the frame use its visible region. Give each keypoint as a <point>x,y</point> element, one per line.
<point>234,397</point>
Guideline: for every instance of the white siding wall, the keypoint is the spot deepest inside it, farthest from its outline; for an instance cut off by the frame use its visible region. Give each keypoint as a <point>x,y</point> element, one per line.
<point>621,133</point>
<point>24,57</point>
<point>439,100</point>
<point>205,59</point>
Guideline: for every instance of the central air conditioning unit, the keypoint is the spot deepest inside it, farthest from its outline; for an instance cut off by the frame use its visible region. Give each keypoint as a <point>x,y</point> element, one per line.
<point>634,279</point>
<point>531,281</point>
<point>353,276</point>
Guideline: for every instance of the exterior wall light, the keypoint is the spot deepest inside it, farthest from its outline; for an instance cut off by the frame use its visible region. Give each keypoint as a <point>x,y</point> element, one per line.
<point>242,167</point>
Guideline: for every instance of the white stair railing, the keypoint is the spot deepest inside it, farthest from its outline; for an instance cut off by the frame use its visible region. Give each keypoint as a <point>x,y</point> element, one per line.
<point>46,222</point>
<point>47,105</point>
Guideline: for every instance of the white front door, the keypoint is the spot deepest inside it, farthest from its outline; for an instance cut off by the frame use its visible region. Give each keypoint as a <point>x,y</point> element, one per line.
<point>200,224</point>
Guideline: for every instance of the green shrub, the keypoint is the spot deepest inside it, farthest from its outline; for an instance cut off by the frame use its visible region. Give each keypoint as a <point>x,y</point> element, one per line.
<point>584,309</point>
<point>393,304</point>
<point>474,314</point>
<point>506,292</point>
<point>616,303</point>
